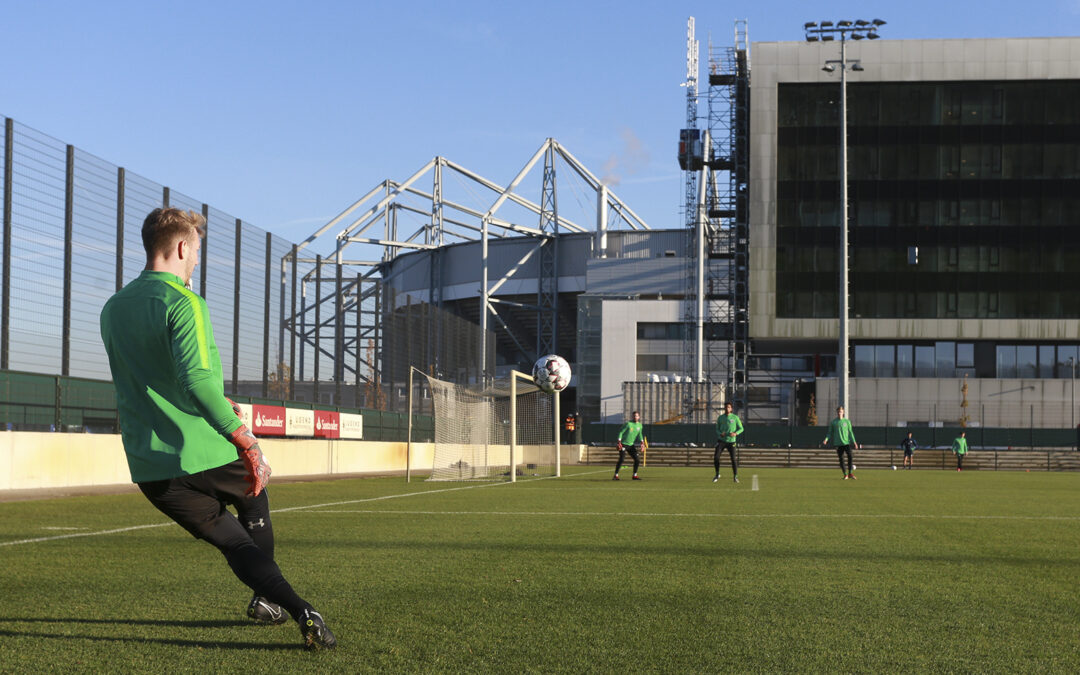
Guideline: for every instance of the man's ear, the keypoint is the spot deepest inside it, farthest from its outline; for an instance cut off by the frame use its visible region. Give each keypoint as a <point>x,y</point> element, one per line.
<point>183,248</point>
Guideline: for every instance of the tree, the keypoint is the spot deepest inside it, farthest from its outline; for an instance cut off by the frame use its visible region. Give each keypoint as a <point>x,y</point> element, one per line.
<point>811,412</point>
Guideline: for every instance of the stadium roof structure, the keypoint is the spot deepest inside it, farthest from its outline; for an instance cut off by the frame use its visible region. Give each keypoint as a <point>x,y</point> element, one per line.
<point>400,217</point>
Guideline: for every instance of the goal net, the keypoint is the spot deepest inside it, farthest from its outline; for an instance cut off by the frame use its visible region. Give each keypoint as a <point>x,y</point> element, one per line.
<point>481,433</point>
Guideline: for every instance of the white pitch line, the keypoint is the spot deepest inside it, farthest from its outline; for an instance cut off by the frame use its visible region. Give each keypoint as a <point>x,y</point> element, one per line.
<point>57,537</point>
<point>697,515</point>
<point>753,483</point>
<point>84,534</point>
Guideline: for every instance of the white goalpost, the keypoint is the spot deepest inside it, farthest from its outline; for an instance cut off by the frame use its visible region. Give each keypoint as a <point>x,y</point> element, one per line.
<point>496,433</point>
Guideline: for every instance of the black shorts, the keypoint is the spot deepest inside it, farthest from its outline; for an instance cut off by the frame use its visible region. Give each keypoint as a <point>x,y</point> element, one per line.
<point>908,452</point>
<point>197,502</point>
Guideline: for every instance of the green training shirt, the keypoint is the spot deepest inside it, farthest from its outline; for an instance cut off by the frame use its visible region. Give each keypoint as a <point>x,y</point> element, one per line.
<point>727,425</point>
<point>840,432</point>
<point>631,433</point>
<point>167,374</point>
<point>959,446</point>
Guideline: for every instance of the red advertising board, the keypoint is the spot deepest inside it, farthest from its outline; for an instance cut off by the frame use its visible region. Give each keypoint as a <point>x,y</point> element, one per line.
<point>268,420</point>
<point>327,424</point>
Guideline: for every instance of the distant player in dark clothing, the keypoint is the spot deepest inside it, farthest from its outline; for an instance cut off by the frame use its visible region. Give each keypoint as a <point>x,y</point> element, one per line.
<point>909,446</point>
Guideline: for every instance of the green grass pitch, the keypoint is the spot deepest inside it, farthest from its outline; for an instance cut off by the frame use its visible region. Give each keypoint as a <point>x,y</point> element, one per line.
<point>929,571</point>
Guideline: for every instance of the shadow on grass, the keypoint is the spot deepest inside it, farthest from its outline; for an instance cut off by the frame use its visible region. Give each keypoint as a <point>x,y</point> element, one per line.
<point>199,644</point>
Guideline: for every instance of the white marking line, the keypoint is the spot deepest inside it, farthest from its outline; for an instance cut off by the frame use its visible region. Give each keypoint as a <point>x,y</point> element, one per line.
<point>83,534</point>
<point>63,528</point>
<point>753,483</point>
<point>38,540</point>
<point>694,515</point>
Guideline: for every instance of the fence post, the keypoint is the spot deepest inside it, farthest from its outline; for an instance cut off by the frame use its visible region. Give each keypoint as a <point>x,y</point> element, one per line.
<point>58,402</point>
<point>1031,428</point>
<point>69,228</point>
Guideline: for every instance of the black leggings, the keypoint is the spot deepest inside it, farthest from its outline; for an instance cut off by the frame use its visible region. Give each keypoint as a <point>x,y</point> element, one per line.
<point>842,450</point>
<point>623,450</point>
<point>730,447</point>
<point>198,502</point>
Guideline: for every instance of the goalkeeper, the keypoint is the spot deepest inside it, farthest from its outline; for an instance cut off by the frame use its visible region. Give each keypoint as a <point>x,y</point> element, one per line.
<point>631,440</point>
<point>728,428</point>
<point>186,449</point>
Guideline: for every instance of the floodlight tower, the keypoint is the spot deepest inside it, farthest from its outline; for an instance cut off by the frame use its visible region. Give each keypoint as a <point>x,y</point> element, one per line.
<point>826,31</point>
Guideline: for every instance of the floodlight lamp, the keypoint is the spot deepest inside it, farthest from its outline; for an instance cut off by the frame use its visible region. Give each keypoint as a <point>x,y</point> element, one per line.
<point>810,24</point>
<point>857,36</point>
<point>879,22</point>
<point>828,68</point>
<point>811,38</point>
<point>843,23</point>
<point>827,38</point>
<point>857,67</point>
<point>862,22</point>
<point>872,36</point>
<point>826,24</point>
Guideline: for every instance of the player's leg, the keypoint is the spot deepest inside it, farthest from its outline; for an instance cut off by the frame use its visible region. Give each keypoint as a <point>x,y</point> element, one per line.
<point>619,463</point>
<point>254,514</point>
<point>716,460</point>
<point>840,456</point>
<point>189,501</point>
<point>635,453</point>
<point>850,462</point>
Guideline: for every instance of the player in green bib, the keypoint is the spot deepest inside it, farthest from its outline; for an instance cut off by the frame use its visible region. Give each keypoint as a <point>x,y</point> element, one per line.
<point>728,428</point>
<point>843,437</point>
<point>960,448</point>
<point>631,440</point>
<point>186,449</point>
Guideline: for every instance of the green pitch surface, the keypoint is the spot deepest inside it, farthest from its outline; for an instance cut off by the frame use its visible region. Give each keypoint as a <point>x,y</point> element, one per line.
<point>897,571</point>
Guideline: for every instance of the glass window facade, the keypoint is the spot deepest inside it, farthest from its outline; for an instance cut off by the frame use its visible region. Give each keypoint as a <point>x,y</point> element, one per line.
<point>945,358</point>
<point>981,177</point>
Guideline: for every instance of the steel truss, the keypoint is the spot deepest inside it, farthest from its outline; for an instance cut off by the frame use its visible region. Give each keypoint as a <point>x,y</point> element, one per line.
<point>343,300</point>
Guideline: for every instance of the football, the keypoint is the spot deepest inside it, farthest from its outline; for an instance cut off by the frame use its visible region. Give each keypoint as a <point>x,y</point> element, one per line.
<point>551,373</point>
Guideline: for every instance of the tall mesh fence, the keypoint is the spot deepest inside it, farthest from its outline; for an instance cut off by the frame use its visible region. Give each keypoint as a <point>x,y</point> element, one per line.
<point>72,226</point>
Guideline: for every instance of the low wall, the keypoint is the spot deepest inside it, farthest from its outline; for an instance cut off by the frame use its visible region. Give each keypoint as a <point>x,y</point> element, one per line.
<point>39,460</point>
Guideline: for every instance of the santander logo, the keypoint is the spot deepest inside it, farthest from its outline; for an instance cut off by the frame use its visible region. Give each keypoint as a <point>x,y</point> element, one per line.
<point>267,421</point>
<point>328,425</point>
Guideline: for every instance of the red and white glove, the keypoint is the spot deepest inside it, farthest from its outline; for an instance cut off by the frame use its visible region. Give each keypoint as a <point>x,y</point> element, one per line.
<point>618,445</point>
<point>247,446</point>
<point>236,408</point>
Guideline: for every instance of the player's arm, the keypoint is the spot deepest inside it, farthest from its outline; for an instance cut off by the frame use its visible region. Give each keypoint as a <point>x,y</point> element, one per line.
<point>190,334</point>
<point>738,426</point>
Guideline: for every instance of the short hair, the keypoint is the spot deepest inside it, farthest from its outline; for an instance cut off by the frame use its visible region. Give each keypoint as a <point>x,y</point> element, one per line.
<point>162,228</point>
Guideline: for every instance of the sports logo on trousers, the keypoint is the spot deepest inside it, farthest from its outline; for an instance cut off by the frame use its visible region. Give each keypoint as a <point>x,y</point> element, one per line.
<point>253,524</point>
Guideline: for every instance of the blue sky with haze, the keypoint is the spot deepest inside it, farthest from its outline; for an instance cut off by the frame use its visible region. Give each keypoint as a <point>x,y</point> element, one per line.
<point>284,113</point>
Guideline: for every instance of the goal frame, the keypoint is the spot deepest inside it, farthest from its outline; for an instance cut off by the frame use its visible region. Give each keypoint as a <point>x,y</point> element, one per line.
<point>515,375</point>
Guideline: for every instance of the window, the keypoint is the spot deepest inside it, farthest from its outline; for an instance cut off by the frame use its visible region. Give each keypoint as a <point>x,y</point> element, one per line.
<point>1046,361</point>
<point>1026,361</point>
<point>1065,367</point>
<point>924,361</point>
<point>945,352</point>
<point>864,361</point>
<point>1006,361</point>
<point>904,360</point>
<point>648,362</point>
<point>884,361</point>
<point>965,355</point>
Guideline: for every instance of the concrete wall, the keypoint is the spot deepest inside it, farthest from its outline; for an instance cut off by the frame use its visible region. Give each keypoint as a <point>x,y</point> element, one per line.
<point>30,460</point>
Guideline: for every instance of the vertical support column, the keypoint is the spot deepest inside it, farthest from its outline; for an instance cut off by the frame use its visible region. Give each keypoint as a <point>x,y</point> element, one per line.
<point>165,197</point>
<point>292,321</point>
<point>5,310</point>
<point>121,178</point>
<point>69,220</point>
<point>359,346</point>
<point>408,432</point>
<point>203,254</point>
<point>558,445</point>
<point>339,332</point>
<point>513,426</point>
<point>238,241</point>
<point>318,308</point>
<point>842,355</point>
<point>266,320</point>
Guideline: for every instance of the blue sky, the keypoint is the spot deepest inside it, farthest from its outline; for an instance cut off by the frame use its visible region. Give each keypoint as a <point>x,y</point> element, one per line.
<point>284,113</point>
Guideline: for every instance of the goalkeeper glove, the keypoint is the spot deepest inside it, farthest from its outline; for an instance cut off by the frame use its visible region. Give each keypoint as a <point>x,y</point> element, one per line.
<point>236,408</point>
<point>618,445</point>
<point>247,446</point>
